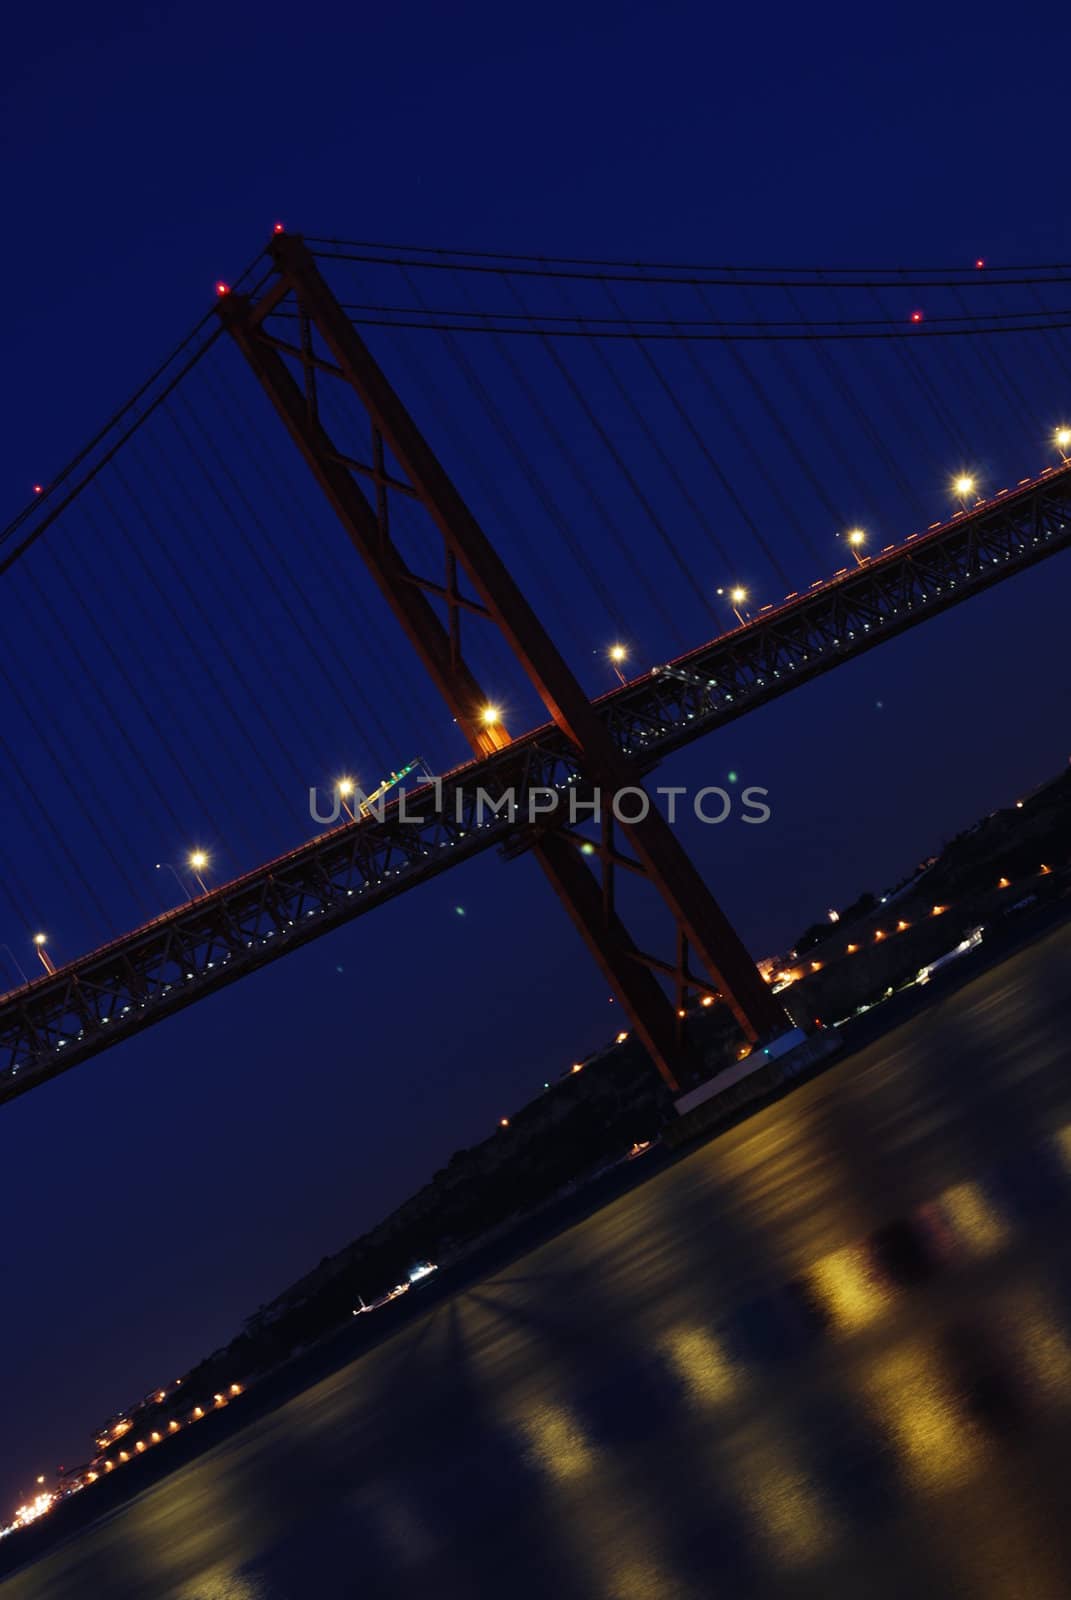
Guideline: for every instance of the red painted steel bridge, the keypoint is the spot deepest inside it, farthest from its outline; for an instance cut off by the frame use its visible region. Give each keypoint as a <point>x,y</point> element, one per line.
<point>298,340</point>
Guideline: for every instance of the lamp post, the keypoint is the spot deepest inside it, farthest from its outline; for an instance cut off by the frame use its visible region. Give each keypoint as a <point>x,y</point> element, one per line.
<point>963,487</point>
<point>197,861</point>
<point>737,598</point>
<point>40,940</point>
<point>618,654</point>
<point>345,788</point>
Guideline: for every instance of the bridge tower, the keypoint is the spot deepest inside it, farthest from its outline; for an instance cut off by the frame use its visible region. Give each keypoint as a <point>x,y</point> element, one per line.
<point>400,461</point>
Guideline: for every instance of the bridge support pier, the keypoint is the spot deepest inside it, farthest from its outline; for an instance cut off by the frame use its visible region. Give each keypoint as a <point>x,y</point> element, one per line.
<point>401,462</point>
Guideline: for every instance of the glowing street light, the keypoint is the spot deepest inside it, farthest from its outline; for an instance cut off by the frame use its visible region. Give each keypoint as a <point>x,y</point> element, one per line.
<point>40,940</point>
<point>856,539</point>
<point>618,654</point>
<point>490,716</point>
<point>1062,440</point>
<point>345,788</point>
<point>197,861</point>
<point>963,487</point>
<point>737,597</point>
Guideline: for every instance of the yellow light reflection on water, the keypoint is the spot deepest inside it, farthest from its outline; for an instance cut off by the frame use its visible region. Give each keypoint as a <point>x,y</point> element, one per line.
<point>702,1365</point>
<point>974,1218</point>
<point>222,1583</point>
<point>1063,1143</point>
<point>557,1442</point>
<point>1044,1344</point>
<point>791,1521</point>
<point>917,1407</point>
<point>612,1536</point>
<point>848,1288</point>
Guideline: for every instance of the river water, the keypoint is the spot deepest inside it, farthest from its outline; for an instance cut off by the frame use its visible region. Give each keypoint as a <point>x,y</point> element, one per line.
<point>827,1354</point>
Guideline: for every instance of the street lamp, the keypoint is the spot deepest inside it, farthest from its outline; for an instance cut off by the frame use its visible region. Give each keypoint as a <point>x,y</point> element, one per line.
<point>197,861</point>
<point>737,597</point>
<point>165,866</point>
<point>490,716</point>
<point>40,940</point>
<point>856,538</point>
<point>1062,440</point>
<point>618,654</point>
<point>345,787</point>
<point>963,486</point>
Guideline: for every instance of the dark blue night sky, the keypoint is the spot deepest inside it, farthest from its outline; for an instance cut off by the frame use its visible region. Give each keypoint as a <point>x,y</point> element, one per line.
<point>157,1195</point>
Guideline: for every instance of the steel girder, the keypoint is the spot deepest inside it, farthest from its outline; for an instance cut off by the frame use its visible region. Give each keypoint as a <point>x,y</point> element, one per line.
<point>402,461</point>
<point>54,1023</point>
<point>784,647</point>
<point>60,1020</point>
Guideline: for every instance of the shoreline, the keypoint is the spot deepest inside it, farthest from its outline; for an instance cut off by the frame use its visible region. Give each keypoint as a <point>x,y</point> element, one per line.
<point>347,1344</point>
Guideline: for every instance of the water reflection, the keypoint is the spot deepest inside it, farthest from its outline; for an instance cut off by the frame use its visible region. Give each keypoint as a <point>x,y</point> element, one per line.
<point>758,1375</point>
<point>916,1407</point>
<point>973,1218</point>
<point>780,1498</point>
<point>702,1364</point>
<point>223,1583</point>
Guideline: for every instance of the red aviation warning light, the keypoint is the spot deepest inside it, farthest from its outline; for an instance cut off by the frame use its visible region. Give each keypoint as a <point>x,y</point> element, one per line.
<point>223,288</point>
<point>278,228</point>
<point>916,316</point>
<point>979,264</point>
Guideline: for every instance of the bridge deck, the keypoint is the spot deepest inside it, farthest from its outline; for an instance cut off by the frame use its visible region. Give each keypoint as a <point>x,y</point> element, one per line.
<point>123,987</point>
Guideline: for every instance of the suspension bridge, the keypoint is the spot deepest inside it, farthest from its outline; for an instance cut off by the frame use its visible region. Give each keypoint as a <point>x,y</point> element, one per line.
<point>207,589</point>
